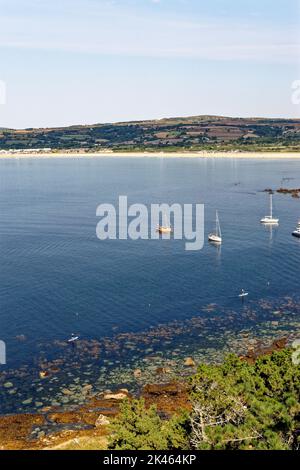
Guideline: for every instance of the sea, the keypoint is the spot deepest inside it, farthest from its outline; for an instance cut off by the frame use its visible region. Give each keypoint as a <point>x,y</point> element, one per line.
<point>144,304</point>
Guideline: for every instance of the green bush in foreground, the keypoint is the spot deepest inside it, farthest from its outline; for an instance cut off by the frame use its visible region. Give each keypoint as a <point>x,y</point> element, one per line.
<point>139,428</point>
<point>243,406</point>
<point>236,405</point>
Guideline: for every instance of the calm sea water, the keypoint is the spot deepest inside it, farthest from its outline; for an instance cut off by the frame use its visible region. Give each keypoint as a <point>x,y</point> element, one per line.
<point>57,278</point>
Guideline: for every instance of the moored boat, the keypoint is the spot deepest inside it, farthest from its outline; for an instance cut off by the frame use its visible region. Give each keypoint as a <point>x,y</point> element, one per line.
<point>217,236</point>
<point>296,233</point>
<point>269,219</point>
<point>167,228</point>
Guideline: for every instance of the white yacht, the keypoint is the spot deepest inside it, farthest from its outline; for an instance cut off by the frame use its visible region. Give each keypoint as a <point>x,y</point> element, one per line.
<point>269,219</point>
<point>296,233</point>
<point>217,236</point>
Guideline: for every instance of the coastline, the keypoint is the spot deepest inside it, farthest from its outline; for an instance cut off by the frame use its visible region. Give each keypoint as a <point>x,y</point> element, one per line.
<point>87,426</point>
<point>79,418</point>
<point>205,154</point>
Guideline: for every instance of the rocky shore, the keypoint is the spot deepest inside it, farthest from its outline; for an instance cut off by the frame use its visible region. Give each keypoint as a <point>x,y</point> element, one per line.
<point>68,399</point>
<point>294,192</point>
<point>87,426</point>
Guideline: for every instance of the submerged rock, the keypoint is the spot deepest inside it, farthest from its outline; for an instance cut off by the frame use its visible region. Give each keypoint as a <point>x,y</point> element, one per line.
<point>87,389</point>
<point>8,385</point>
<point>27,402</point>
<point>65,400</point>
<point>137,373</point>
<point>21,338</point>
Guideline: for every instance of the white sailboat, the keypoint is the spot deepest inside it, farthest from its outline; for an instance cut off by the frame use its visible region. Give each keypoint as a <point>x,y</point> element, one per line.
<point>269,219</point>
<point>217,236</point>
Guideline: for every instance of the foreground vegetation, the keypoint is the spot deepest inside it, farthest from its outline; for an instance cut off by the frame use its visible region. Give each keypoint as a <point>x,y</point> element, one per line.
<point>191,133</point>
<point>235,405</point>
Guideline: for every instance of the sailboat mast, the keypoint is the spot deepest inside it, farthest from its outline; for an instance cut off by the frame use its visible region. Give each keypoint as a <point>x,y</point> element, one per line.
<point>218,228</point>
<point>271,206</point>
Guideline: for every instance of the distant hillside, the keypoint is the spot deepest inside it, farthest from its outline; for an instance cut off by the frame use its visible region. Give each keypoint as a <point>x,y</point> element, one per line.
<point>189,133</point>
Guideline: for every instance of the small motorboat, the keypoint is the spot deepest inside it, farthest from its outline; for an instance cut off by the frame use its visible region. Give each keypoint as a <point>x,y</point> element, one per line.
<point>296,233</point>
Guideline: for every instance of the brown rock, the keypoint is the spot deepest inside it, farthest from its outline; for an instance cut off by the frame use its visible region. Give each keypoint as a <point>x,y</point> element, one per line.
<point>87,389</point>
<point>46,409</point>
<point>168,398</point>
<point>189,362</point>
<point>162,389</point>
<point>254,354</point>
<point>163,370</point>
<point>115,396</point>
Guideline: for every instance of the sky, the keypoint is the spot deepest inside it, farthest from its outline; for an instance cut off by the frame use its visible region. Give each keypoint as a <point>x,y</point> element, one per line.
<point>89,61</point>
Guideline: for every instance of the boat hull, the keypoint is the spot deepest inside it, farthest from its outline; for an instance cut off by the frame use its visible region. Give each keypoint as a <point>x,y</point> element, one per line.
<point>214,238</point>
<point>269,221</point>
<point>296,234</point>
<point>164,230</point>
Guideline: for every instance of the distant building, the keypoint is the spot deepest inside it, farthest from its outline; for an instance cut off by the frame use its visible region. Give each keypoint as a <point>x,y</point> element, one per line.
<point>31,150</point>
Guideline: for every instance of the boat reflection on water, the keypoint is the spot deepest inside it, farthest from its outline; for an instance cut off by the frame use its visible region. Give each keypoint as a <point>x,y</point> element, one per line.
<point>271,228</point>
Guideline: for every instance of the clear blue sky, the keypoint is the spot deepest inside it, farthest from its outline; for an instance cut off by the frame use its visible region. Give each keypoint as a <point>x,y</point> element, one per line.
<point>87,61</point>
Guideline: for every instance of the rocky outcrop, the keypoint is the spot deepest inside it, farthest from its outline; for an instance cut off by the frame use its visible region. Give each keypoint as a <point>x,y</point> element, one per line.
<point>254,353</point>
<point>116,396</point>
<point>169,398</point>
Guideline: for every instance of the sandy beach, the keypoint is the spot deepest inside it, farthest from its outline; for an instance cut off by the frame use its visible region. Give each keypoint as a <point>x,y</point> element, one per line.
<point>228,155</point>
